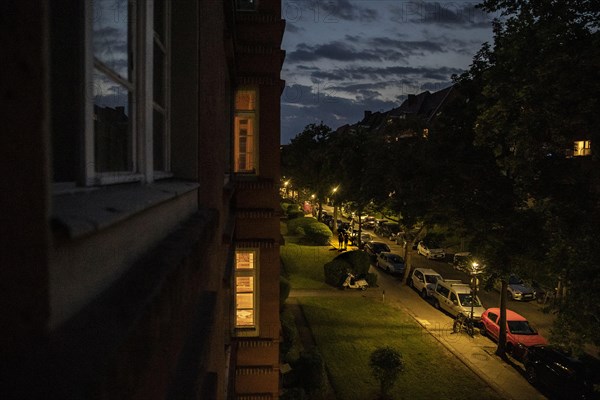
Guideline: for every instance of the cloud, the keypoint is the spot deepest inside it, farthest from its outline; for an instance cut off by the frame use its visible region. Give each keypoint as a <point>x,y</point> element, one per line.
<point>461,14</point>
<point>338,51</point>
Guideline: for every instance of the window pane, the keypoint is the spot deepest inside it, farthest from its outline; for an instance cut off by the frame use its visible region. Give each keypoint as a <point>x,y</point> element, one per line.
<point>111,43</point>
<point>244,260</point>
<point>158,141</point>
<point>244,144</point>
<point>159,19</point>
<point>112,125</point>
<point>245,318</point>
<point>159,75</point>
<point>245,100</point>
<point>244,284</point>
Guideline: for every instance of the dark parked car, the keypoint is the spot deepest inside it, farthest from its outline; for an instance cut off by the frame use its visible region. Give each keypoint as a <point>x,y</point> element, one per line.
<point>564,376</point>
<point>369,223</point>
<point>375,248</point>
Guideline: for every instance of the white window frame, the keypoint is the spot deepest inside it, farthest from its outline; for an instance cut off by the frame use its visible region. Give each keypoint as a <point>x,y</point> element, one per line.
<point>247,330</point>
<point>141,15</point>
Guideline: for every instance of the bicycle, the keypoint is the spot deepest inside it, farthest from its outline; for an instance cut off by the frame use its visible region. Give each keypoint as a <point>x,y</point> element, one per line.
<point>462,322</point>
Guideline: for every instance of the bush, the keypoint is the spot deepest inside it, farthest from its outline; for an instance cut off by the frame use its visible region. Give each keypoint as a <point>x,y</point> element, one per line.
<point>295,214</point>
<point>294,225</point>
<point>284,290</point>
<point>358,260</point>
<point>290,345</point>
<point>355,261</point>
<point>371,279</point>
<point>292,208</point>
<point>318,233</point>
<point>312,372</point>
<point>335,272</point>
<point>387,365</point>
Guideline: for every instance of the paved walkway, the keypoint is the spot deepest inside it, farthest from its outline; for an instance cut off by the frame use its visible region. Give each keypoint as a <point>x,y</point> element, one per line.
<point>477,353</point>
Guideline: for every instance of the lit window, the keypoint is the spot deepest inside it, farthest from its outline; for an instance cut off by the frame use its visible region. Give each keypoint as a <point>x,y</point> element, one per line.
<point>245,288</point>
<point>127,135</point>
<point>582,148</point>
<point>245,129</point>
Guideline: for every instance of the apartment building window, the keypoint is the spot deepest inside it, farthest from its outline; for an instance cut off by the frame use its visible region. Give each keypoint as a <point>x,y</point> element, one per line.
<point>127,101</point>
<point>245,131</point>
<point>245,289</point>
<point>582,148</point>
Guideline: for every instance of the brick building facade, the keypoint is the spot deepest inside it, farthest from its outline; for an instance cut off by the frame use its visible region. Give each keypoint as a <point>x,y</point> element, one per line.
<point>140,170</point>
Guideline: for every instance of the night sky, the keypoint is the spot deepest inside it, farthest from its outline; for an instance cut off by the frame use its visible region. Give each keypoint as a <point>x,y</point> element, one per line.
<point>347,56</point>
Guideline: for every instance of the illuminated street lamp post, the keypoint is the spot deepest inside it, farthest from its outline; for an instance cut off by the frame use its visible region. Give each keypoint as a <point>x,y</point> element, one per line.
<point>474,284</point>
<point>335,210</point>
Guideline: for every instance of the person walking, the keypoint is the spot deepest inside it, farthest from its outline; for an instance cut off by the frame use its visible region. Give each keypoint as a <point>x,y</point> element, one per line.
<point>346,240</point>
<point>340,239</point>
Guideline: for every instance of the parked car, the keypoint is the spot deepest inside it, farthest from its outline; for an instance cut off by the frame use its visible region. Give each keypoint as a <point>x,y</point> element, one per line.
<point>517,289</point>
<point>564,375</point>
<point>364,238</point>
<point>456,297</point>
<point>374,247</point>
<point>390,262</point>
<point>423,280</point>
<point>387,229</point>
<point>369,223</point>
<point>432,252</point>
<point>519,334</point>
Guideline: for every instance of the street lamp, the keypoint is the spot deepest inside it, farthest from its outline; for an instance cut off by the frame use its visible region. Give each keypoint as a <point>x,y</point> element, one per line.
<point>474,284</point>
<point>335,211</point>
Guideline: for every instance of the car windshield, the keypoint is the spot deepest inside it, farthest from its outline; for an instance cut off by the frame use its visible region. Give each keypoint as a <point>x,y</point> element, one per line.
<point>431,278</point>
<point>465,300</point>
<point>515,280</point>
<point>520,328</point>
<point>395,259</point>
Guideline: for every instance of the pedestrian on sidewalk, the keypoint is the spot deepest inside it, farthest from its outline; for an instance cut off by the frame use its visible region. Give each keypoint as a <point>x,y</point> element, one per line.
<point>346,240</point>
<point>340,240</point>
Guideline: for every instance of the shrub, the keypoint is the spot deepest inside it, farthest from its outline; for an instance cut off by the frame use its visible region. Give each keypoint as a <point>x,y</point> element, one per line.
<point>387,365</point>
<point>318,233</point>
<point>312,372</point>
<point>290,345</point>
<point>371,279</point>
<point>335,271</point>
<point>355,261</point>
<point>292,208</point>
<point>295,214</point>
<point>299,223</point>
<point>358,260</point>
<point>284,290</point>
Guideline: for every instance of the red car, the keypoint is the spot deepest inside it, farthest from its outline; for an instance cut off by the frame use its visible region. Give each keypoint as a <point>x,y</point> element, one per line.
<point>518,331</point>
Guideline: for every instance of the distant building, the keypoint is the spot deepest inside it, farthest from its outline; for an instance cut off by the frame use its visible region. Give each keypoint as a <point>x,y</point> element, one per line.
<point>140,225</point>
<point>425,107</point>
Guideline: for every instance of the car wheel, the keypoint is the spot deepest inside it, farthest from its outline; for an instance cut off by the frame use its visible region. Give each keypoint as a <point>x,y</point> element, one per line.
<point>530,374</point>
<point>410,283</point>
<point>510,348</point>
<point>424,293</point>
<point>482,330</point>
<point>436,304</point>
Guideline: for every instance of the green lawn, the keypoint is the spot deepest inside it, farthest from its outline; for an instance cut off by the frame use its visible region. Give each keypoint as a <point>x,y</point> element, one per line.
<point>304,264</point>
<point>348,329</point>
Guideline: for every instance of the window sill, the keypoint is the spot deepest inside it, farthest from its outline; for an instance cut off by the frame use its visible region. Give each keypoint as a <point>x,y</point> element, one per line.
<point>80,213</point>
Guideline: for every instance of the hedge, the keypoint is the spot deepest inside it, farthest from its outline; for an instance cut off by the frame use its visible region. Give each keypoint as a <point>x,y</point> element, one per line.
<point>294,225</point>
<point>318,233</point>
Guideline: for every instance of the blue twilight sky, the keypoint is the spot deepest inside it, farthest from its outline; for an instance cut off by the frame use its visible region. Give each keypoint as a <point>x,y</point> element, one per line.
<point>347,56</point>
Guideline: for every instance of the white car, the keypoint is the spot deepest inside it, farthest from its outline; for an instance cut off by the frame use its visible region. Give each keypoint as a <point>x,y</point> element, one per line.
<point>424,280</point>
<point>434,253</point>
<point>517,289</point>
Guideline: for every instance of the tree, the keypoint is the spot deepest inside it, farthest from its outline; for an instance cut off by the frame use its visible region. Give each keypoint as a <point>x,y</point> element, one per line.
<point>306,160</point>
<point>541,92</point>
<point>387,364</point>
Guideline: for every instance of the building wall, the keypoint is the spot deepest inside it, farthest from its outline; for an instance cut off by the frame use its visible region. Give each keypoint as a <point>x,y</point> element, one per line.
<point>125,291</point>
